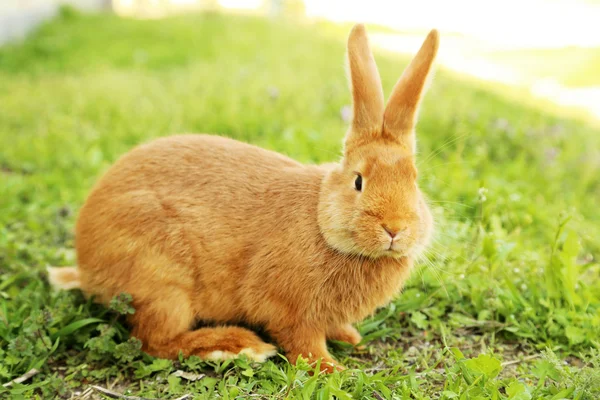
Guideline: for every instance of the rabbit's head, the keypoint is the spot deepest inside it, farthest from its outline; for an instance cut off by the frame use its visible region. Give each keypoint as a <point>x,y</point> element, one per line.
<point>370,204</point>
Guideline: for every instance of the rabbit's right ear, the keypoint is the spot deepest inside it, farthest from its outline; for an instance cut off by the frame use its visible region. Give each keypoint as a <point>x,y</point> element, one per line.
<point>367,93</point>
<point>401,112</point>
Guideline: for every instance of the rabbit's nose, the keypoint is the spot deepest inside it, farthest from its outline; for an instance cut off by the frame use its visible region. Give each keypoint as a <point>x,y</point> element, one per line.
<point>394,230</point>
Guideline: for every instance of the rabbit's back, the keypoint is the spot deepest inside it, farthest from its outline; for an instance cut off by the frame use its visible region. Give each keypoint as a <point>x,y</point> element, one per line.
<point>193,164</point>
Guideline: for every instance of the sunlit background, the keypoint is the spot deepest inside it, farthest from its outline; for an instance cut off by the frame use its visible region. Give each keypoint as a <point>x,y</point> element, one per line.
<point>551,48</point>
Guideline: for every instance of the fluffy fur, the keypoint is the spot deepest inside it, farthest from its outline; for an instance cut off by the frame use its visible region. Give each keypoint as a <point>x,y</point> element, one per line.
<point>200,227</point>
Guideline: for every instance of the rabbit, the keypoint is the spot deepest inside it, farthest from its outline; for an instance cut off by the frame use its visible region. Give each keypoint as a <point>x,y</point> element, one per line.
<point>200,227</point>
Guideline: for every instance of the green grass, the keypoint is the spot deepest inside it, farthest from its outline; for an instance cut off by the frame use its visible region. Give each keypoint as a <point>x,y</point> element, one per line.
<point>507,307</point>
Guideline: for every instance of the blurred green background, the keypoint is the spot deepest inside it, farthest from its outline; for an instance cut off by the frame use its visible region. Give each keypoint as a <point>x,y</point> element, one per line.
<point>507,303</point>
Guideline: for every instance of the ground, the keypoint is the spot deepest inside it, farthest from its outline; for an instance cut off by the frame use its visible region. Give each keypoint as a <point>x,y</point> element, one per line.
<point>506,305</point>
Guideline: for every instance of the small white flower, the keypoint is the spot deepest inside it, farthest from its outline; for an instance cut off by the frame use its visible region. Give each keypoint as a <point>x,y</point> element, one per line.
<point>346,114</point>
<point>273,92</point>
<point>481,193</point>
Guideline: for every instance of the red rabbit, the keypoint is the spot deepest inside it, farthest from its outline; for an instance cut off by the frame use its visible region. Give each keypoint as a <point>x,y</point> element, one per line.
<point>200,227</point>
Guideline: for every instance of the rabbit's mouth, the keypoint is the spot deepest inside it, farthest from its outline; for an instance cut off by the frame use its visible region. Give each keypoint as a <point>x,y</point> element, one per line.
<point>401,251</point>
<point>392,251</point>
<point>399,244</point>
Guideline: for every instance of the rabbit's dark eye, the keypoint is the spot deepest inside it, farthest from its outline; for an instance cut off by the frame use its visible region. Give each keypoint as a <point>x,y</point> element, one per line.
<point>358,183</point>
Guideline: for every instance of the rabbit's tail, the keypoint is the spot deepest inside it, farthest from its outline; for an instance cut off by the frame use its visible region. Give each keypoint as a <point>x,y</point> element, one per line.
<point>64,278</point>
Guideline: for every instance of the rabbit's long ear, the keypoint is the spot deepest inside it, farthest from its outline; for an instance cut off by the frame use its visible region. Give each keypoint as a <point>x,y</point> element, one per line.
<point>367,94</point>
<point>400,115</point>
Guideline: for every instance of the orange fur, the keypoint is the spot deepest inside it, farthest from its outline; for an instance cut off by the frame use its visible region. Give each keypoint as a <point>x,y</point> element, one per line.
<point>200,227</point>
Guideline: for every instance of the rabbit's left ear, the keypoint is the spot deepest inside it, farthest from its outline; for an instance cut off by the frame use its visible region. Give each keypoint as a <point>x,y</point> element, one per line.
<point>400,115</point>
<point>367,93</point>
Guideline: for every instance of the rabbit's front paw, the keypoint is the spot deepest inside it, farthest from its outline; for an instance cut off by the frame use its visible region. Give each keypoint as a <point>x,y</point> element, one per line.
<point>345,333</point>
<point>325,364</point>
<point>330,366</point>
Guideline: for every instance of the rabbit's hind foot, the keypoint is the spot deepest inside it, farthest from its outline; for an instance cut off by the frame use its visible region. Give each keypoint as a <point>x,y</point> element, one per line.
<point>164,331</point>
